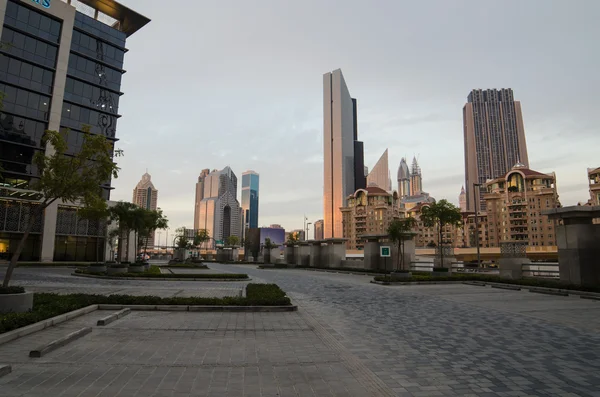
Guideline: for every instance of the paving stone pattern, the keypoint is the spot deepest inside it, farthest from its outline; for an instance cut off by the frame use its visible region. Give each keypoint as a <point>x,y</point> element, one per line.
<point>363,339</point>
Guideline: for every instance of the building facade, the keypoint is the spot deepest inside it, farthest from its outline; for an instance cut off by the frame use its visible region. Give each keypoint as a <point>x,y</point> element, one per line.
<point>250,183</point>
<point>462,200</point>
<point>343,153</point>
<point>60,69</point>
<point>369,211</point>
<point>380,173</point>
<point>199,196</point>
<point>515,203</point>
<point>594,179</point>
<point>494,138</point>
<point>219,211</point>
<point>318,230</point>
<point>416,179</point>
<point>145,195</point>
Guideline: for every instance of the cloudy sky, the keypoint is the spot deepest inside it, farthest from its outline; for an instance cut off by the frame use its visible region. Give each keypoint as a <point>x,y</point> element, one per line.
<point>239,83</point>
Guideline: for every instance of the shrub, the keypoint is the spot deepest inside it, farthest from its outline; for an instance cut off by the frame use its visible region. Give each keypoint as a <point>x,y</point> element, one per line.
<point>155,273</point>
<point>11,290</point>
<point>50,305</point>
<point>121,265</point>
<point>280,265</point>
<point>401,271</point>
<point>440,269</point>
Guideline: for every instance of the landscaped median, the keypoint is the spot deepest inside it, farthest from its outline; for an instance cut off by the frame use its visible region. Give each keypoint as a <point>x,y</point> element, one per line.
<point>153,273</point>
<point>481,279</point>
<point>46,306</point>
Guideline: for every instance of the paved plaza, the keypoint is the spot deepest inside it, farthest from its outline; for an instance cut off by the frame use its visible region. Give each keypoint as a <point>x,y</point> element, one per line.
<point>349,338</point>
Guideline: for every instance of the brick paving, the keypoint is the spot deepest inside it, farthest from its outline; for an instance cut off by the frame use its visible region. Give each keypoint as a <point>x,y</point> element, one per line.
<point>348,338</point>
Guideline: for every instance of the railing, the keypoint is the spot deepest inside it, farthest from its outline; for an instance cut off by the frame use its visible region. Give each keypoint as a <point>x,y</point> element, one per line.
<point>541,269</point>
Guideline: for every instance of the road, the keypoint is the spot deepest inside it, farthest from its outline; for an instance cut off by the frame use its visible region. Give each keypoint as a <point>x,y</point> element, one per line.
<point>444,340</point>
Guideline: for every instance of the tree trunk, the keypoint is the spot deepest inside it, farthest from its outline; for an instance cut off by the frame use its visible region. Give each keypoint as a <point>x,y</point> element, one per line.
<point>126,246</point>
<point>15,257</point>
<point>120,246</point>
<point>401,249</point>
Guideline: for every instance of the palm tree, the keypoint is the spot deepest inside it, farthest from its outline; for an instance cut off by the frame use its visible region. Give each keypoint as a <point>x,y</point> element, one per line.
<point>440,214</point>
<point>124,214</point>
<point>268,246</point>
<point>398,231</point>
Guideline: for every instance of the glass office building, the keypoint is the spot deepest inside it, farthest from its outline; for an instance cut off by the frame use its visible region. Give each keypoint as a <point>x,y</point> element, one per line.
<point>61,64</point>
<point>250,182</point>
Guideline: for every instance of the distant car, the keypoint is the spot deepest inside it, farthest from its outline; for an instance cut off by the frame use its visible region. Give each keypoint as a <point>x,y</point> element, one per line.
<point>143,257</point>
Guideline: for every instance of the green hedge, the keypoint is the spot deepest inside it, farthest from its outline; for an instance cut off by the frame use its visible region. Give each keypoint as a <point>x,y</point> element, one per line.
<point>152,273</point>
<point>186,266</point>
<point>11,290</point>
<point>50,305</point>
<point>528,282</point>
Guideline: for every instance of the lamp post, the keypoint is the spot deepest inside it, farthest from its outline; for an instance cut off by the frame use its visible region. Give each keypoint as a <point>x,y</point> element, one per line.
<point>476,199</point>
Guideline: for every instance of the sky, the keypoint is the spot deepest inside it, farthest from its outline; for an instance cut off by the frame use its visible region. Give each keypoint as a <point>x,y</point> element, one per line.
<point>211,84</point>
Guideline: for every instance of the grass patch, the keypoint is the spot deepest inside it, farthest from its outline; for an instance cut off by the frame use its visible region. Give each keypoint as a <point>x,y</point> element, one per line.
<point>50,305</point>
<point>527,282</point>
<point>154,272</point>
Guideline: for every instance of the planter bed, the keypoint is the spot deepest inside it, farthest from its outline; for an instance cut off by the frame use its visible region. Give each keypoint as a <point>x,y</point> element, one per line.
<point>460,277</point>
<point>185,266</point>
<point>15,299</point>
<point>166,276</point>
<point>46,305</point>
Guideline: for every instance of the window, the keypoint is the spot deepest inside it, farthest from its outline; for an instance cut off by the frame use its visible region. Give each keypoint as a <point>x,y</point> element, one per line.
<point>74,116</point>
<point>32,22</point>
<point>28,48</point>
<point>25,74</point>
<point>97,49</point>
<point>25,103</point>
<point>94,72</point>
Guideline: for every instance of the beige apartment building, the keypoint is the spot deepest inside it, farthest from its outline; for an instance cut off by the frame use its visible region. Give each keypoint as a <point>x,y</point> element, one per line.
<point>369,211</point>
<point>515,203</point>
<point>594,178</point>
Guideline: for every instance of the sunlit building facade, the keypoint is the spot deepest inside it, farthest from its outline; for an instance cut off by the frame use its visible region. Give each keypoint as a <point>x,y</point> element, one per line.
<point>61,66</point>
<point>380,173</point>
<point>594,179</point>
<point>318,226</point>
<point>515,203</point>
<point>369,211</point>
<point>343,154</point>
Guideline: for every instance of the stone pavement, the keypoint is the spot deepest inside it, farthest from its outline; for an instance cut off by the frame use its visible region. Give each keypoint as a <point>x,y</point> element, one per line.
<point>187,354</point>
<point>434,340</point>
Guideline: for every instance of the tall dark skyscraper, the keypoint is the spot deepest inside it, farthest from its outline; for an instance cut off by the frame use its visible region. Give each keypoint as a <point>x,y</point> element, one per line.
<point>250,183</point>
<point>494,138</point>
<point>60,69</point>
<point>343,153</point>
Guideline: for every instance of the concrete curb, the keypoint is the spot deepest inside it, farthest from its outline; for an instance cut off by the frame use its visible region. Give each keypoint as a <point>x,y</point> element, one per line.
<point>197,308</point>
<point>55,344</point>
<point>162,279</point>
<point>596,298</point>
<point>113,317</point>
<point>509,287</point>
<point>30,329</point>
<point>5,370</point>
<point>548,291</point>
<point>541,290</point>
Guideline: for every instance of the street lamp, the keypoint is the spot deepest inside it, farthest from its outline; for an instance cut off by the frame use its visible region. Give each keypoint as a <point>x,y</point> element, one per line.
<point>476,199</point>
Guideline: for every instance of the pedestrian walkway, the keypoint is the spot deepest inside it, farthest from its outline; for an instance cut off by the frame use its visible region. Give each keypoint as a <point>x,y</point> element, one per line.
<point>186,354</point>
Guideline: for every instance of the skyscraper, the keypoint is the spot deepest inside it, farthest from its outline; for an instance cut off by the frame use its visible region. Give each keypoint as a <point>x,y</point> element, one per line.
<point>219,211</point>
<point>380,173</point>
<point>60,69</point>
<point>462,200</point>
<point>199,196</point>
<point>416,179</point>
<point>145,195</point>
<point>403,179</point>
<point>494,138</point>
<point>318,230</point>
<point>343,157</point>
<point>250,182</point>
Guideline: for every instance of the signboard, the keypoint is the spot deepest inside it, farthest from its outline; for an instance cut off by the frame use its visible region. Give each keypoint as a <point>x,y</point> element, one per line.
<point>219,242</point>
<point>385,252</point>
<point>43,3</point>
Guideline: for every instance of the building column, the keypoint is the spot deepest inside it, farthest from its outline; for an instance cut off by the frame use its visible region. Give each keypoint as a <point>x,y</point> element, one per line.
<point>49,232</point>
